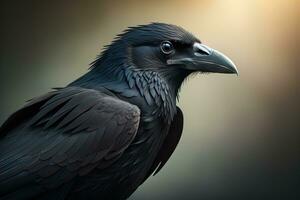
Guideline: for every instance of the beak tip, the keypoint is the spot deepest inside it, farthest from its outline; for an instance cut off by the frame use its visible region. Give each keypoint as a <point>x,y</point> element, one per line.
<point>226,62</point>
<point>235,70</point>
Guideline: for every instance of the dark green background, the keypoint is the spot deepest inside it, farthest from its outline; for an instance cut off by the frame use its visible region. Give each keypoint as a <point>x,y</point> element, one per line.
<point>241,134</point>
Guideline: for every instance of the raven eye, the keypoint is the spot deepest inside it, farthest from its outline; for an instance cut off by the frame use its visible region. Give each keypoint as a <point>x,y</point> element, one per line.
<point>166,47</point>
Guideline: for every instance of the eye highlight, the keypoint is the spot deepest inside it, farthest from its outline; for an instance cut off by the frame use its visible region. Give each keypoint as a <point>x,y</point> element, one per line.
<point>166,47</point>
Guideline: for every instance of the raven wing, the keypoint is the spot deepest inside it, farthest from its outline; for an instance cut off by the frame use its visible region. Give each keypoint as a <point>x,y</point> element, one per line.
<point>169,144</point>
<point>59,136</point>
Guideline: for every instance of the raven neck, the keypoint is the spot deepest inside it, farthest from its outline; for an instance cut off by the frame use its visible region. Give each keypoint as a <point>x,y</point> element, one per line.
<point>129,83</point>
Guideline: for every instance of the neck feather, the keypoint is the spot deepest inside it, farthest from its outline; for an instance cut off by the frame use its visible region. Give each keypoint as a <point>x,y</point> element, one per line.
<point>113,71</point>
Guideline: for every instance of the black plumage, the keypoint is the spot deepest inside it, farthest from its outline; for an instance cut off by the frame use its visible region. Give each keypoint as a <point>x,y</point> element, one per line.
<point>103,135</point>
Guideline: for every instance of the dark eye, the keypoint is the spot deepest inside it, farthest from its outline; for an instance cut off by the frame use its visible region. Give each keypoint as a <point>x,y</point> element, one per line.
<point>166,47</point>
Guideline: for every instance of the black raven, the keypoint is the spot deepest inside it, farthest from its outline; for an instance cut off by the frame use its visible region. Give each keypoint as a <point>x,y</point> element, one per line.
<point>104,134</point>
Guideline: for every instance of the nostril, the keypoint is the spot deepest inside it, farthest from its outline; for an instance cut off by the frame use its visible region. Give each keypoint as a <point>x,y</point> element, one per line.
<point>201,50</point>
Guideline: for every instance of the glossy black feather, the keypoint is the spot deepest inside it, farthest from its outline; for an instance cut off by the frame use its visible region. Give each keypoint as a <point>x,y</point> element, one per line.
<point>170,143</point>
<point>100,127</point>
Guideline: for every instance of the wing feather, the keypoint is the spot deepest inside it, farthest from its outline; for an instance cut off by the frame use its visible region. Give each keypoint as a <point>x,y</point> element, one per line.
<point>169,144</point>
<point>64,134</point>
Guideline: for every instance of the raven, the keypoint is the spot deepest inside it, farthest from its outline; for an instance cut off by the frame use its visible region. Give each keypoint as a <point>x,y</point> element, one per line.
<point>104,134</point>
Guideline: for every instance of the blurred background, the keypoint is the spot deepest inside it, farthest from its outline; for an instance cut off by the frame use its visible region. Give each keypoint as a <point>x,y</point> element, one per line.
<point>241,135</point>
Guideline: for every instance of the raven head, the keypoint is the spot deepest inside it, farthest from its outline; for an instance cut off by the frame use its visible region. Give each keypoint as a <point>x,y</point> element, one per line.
<point>164,47</point>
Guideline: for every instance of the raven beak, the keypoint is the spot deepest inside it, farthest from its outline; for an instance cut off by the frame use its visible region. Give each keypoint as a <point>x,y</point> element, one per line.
<point>206,59</point>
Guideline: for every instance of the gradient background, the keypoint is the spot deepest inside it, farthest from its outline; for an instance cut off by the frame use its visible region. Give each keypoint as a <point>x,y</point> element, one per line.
<point>241,135</point>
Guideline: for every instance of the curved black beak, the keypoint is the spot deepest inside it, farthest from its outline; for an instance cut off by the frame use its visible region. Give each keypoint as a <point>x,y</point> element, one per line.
<point>206,59</point>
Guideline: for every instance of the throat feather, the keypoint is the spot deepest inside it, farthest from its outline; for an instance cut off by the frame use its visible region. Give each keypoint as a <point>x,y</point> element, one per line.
<point>155,90</point>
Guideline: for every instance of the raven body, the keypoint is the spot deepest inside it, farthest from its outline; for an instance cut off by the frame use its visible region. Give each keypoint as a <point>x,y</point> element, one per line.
<point>104,134</point>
